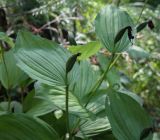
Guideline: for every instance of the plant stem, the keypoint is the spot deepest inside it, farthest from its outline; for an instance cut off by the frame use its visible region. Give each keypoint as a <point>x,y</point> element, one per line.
<point>67,109</point>
<point>98,83</point>
<point>145,3</point>
<point>9,100</point>
<point>112,62</point>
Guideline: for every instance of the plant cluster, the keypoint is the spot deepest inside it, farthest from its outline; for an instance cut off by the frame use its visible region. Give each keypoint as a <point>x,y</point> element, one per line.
<point>72,98</point>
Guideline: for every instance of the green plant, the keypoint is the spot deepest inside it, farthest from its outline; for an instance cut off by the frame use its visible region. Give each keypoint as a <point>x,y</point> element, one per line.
<point>72,99</point>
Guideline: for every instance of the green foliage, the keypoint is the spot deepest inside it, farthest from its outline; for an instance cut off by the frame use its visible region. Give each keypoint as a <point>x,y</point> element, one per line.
<point>37,105</point>
<point>81,84</point>
<point>5,38</point>
<point>126,116</point>
<point>41,59</point>
<point>90,128</point>
<point>57,97</point>
<point>95,99</point>
<point>33,128</point>
<point>108,23</point>
<point>137,53</point>
<point>10,74</point>
<point>144,71</point>
<point>86,50</point>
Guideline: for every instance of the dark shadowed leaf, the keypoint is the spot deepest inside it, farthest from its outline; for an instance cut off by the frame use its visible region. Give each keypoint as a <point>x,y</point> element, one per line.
<point>71,61</point>
<point>145,133</point>
<point>120,35</point>
<point>141,26</point>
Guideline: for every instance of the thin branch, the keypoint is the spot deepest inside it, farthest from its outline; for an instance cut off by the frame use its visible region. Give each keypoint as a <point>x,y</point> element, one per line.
<point>58,19</point>
<point>144,6</point>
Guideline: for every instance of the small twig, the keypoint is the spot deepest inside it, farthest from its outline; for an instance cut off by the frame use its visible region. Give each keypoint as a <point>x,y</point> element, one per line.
<point>144,6</point>
<point>58,19</point>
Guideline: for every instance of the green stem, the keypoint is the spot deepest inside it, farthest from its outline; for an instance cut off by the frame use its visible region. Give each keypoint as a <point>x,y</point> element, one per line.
<point>67,106</point>
<point>144,6</point>
<point>9,100</point>
<point>98,83</point>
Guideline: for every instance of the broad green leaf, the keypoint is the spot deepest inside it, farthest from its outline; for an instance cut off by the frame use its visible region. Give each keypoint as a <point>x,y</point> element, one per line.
<point>45,61</point>
<point>83,80</point>
<point>57,97</point>
<point>97,103</point>
<point>133,95</point>
<point>127,118</point>
<point>100,123</point>
<point>10,74</point>
<point>37,106</point>
<point>137,53</point>
<point>41,59</point>
<point>23,127</point>
<point>109,21</point>
<point>91,128</point>
<point>86,50</point>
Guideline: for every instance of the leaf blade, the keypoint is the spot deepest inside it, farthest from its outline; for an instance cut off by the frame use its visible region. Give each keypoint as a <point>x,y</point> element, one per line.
<point>19,126</point>
<point>126,116</point>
